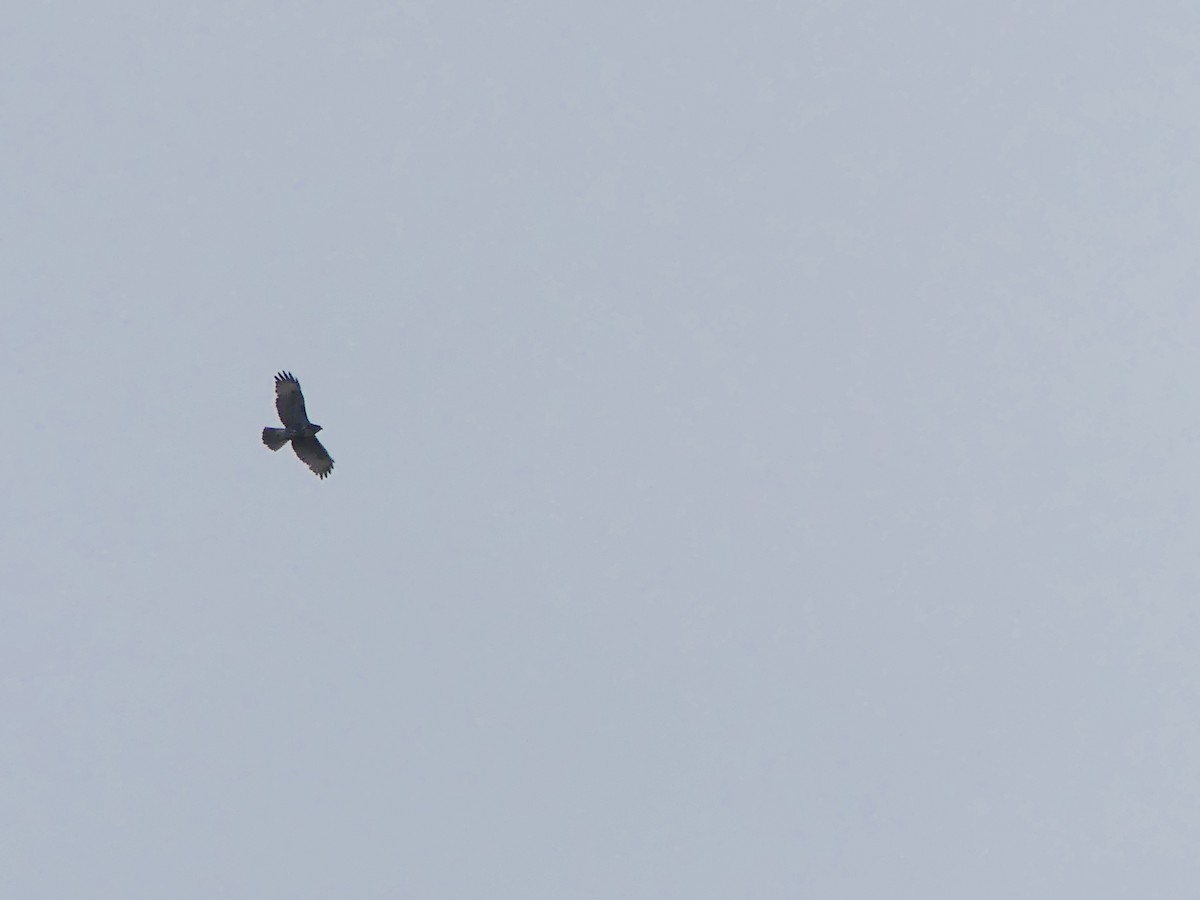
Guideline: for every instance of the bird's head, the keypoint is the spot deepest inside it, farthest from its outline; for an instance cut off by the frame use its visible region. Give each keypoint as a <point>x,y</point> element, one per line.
<point>316,428</point>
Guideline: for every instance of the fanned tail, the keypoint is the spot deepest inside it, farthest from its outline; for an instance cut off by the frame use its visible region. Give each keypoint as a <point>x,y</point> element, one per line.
<point>274,437</point>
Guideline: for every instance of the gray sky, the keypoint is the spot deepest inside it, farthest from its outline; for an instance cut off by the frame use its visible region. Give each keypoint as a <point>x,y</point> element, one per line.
<point>765,442</point>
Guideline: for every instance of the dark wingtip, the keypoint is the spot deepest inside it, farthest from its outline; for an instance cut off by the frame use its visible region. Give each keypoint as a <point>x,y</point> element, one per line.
<point>285,376</point>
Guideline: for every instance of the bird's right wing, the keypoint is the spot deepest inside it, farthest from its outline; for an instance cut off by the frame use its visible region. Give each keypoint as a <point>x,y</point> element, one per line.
<point>289,401</point>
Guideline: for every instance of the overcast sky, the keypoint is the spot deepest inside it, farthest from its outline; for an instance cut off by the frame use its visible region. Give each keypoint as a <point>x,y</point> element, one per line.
<point>765,435</point>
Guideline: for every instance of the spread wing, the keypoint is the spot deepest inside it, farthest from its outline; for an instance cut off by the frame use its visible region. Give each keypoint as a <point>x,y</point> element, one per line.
<point>289,401</point>
<point>313,455</point>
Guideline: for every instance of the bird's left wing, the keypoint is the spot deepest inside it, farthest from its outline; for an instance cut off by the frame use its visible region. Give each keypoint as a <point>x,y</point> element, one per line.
<point>313,455</point>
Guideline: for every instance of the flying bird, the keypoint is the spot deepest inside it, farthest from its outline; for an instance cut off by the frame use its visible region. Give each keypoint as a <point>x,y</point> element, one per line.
<point>289,401</point>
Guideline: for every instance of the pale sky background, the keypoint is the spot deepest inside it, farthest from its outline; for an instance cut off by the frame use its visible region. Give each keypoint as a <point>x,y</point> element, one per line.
<point>765,432</point>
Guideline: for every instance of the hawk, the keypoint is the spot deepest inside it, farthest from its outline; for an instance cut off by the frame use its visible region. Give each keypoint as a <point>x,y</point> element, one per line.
<point>289,401</point>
